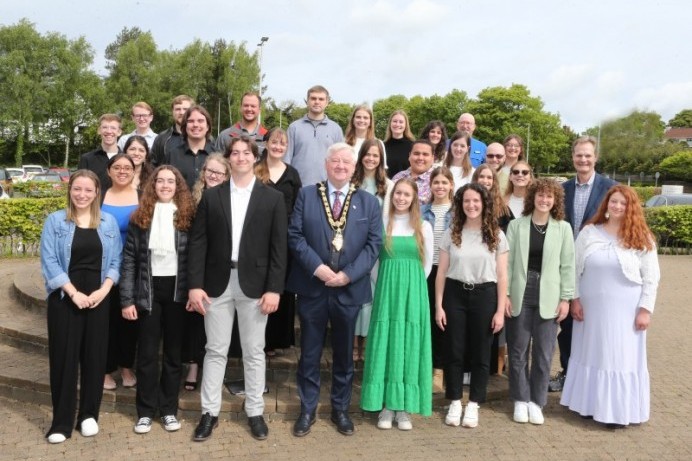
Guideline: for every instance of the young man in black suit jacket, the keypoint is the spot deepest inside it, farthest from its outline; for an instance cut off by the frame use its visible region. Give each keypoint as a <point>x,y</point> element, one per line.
<point>237,263</point>
<point>583,195</point>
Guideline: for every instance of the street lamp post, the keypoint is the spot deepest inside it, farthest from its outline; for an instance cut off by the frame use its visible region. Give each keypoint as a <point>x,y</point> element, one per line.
<point>263,40</point>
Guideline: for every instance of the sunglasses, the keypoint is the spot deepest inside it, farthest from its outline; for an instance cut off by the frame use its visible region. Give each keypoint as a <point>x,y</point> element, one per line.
<point>494,155</point>
<point>521,172</point>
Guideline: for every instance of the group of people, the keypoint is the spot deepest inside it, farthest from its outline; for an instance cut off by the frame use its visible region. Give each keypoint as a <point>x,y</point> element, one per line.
<point>443,261</point>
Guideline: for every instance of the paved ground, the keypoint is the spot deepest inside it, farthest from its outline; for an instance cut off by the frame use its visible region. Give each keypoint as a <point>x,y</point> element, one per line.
<point>564,436</point>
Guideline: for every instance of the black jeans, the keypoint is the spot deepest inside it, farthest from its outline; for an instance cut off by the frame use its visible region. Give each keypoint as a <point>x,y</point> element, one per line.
<point>167,320</point>
<point>469,310</point>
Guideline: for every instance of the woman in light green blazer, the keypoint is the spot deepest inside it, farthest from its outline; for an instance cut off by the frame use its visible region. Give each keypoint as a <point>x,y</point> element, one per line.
<point>541,283</point>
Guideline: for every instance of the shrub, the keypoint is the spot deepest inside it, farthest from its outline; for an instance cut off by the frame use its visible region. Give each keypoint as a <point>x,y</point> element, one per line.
<point>646,192</point>
<point>21,222</point>
<point>671,224</point>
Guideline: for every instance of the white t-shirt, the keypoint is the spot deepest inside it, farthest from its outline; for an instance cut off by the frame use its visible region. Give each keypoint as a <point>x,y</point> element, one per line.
<point>472,262</point>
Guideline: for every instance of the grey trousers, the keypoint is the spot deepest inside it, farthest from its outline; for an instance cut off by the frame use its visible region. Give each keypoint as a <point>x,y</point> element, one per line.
<point>529,329</point>
<point>218,324</point>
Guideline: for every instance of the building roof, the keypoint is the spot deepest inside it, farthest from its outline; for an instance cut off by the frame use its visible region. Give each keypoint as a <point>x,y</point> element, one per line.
<point>678,133</point>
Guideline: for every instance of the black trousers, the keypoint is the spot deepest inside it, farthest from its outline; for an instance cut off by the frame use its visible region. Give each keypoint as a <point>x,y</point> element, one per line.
<point>77,346</point>
<point>437,335</point>
<point>122,336</point>
<point>166,320</point>
<point>564,341</point>
<point>469,310</point>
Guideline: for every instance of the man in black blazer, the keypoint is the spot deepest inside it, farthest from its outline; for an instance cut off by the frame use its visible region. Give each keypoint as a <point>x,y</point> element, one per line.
<point>237,263</point>
<point>335,236</point>
<point>583,195</point>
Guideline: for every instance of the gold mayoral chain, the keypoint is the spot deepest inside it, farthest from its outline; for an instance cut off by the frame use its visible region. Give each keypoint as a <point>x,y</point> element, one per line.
<point>337,225</point>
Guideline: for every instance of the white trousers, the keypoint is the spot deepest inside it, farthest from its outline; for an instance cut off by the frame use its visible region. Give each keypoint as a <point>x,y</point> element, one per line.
<point>218,324</point>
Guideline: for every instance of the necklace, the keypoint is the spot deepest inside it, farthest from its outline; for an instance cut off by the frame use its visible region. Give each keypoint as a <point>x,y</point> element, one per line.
<point>337,225</point>
<point>541,229</point>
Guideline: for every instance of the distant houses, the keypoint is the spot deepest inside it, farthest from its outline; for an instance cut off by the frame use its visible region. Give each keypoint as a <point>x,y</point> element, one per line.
<point>683,135</point>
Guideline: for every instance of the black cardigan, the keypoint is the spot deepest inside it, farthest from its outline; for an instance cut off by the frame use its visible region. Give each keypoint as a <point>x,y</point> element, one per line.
<point>135,270</point>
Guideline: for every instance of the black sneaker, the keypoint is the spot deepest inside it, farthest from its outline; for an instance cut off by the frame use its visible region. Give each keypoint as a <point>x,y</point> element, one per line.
<point>557,382</point>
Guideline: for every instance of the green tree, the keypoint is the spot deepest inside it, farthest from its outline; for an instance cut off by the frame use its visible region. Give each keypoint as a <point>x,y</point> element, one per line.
<point>632,144</point>
<point>678,166</point>
<point>135,75</point>
<point>500,111</point>
<point>682,119</point>
<point>26,63</point>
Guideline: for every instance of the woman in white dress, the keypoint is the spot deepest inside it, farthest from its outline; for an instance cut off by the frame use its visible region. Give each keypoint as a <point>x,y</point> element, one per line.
<point>617,278</point>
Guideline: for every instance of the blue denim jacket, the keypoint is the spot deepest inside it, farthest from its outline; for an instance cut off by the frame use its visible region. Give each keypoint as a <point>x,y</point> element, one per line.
<point>56,249</point>
<point>428,215</point>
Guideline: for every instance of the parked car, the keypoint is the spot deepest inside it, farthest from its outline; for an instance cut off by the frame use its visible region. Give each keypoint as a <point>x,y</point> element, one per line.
<point>64,173</point>
<point>669,199</point>
<point>6,181</point>
<point>17,174</point>
<point>31,170</point>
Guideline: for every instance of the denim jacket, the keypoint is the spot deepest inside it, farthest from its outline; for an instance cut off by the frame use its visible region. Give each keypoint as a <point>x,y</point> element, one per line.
<point>428,215</point>
<point>56,249</point>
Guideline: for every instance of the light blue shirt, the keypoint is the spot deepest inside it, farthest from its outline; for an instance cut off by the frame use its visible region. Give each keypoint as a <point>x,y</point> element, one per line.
<point>582,192</point>
<point>308,141</point>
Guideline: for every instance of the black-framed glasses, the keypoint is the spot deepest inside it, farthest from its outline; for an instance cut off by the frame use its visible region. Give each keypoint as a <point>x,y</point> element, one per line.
<point>211,173</point>
<point>521,172</point>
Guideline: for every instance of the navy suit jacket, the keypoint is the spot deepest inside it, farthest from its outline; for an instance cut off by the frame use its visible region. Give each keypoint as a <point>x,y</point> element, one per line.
<point>599,189</point>
<point>309,239</point>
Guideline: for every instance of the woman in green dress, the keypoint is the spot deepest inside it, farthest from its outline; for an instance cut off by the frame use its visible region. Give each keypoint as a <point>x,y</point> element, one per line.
<point>398,363</point>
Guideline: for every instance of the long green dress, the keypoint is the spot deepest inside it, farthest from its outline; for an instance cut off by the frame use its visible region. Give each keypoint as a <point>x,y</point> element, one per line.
<point>398,359</point>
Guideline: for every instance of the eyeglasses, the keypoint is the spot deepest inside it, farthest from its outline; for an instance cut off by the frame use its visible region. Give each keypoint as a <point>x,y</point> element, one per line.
<point>141,115</point>
<point>212,173</point>
<point>521,172</point>
<point>124,169</point>
<point>498,156</point>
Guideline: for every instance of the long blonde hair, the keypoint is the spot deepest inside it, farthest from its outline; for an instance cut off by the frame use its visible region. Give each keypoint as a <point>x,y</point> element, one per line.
<point>200,184</point>
<point>414,220</point>
<point>94,208</point>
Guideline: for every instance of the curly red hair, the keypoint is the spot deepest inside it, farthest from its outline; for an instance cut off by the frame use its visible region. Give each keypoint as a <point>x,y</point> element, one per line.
<point>634,232</point>
<point>182,198</point>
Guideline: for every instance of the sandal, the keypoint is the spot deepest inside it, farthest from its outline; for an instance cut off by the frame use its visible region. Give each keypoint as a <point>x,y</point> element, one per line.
<point>190,385</point>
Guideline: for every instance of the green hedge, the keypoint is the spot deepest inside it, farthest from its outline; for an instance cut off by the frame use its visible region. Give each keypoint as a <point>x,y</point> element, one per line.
<point>21,222</point>
<point>646,192</point>
<point>672,225</point>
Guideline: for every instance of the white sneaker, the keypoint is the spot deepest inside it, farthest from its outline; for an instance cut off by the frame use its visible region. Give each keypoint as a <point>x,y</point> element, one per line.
<point>143,425</point>
<point>403,422</point>
<point>170,423</point>
<point>89,427</point>
<point>453,417</point>
<point>384,421</point>
<point>535,414</point>
<point>56,437</point>
<point>470,415</point>
<point>521,412</point>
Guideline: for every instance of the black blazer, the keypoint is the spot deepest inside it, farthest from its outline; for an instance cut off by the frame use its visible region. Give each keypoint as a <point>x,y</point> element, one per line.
<point>263,251</point>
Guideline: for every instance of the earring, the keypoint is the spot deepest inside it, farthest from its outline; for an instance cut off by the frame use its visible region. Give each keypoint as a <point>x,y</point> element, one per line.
<point>607,215</point>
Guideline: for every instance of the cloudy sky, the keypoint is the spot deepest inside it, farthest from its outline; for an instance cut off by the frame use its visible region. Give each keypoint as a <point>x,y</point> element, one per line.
<point>588,60</point>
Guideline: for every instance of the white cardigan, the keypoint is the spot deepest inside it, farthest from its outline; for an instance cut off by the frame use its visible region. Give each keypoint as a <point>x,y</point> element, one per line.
<point>638,266</point>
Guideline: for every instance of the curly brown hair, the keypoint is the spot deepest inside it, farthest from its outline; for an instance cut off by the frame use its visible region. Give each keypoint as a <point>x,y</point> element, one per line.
<point>182,198</point>
<point>550,186</point>
<point>490,230</point>
<point>634,232</point>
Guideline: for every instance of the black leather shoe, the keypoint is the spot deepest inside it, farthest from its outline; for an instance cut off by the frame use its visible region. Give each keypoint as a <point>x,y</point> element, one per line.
<point>302,426</point>
<point>258,427</point>
<point>206,425</point>
<point>557,382</point>
<point>343,422</point>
